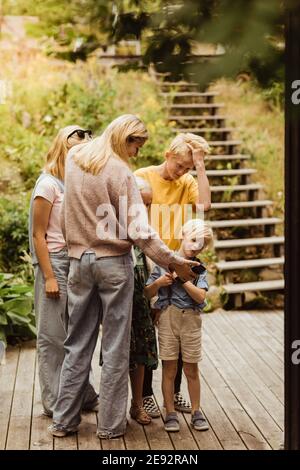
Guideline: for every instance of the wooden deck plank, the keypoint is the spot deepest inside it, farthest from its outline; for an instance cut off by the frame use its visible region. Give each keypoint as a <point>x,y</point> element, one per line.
<point>182,440</point>
<point>260,358</point>
<point>135,437</point>
<point>273,324</point>
<point>241,394</point>
<point>262,336</point>
<point>66,443</point>
<point>231,344</point>
<point>157,437</point>
<point>268,318</point>
<point>276,331</point>
<point>20,419</point>
<point>7,384</point>
<point>219,421</point>
<point>40,439</point>
<point>241,421</point>
<point>87,438</point>
<point>241,389</point>
<point>113,444</point>
<point>205,440</point>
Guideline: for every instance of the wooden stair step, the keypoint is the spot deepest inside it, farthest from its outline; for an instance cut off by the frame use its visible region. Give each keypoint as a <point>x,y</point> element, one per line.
<point>237,172</point>
<point>196,105</point>
<point>245,242</point>
<point>200,117</point>
<point>235,156</point>
<point>195,130</point>
<point>244,222</point>
<point>249,263</point>
<point>179,83</point>
<point>237,187</point>
<point>254,286</point>
<point>192,94</point>
<point>241,204</point>
<point>224,143</point>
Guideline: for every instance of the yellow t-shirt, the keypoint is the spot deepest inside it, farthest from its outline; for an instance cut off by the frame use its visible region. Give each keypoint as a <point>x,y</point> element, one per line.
<point>172,204</point>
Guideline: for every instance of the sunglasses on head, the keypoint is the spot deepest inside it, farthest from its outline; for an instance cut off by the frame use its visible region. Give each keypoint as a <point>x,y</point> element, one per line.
<point>81,133</point>
<point>138,140</point>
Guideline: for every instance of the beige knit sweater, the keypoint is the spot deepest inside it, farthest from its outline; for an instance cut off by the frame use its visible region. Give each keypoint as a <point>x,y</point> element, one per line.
<point>93,218</point>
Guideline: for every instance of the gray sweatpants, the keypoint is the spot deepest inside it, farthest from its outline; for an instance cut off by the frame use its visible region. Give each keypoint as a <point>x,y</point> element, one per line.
<point>111,280</point>
<point>52,320</point>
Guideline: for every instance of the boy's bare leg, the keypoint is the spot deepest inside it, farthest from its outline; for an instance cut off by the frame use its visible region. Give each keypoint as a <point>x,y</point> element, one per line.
<point>137,381</point>
<point>168,375</point>
<point>192,375</point>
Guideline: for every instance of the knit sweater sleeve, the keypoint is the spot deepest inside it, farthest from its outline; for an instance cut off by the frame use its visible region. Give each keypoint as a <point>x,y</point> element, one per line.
<point>140,232</point>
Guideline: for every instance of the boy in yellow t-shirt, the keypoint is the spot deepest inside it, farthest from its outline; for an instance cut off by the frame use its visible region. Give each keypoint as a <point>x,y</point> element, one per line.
<point>176,194</point>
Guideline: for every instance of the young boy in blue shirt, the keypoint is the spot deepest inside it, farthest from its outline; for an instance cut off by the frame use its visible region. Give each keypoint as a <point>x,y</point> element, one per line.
<point>179,323</point>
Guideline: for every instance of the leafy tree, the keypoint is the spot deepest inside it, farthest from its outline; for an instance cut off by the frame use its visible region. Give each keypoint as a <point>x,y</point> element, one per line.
<point>250,30</point>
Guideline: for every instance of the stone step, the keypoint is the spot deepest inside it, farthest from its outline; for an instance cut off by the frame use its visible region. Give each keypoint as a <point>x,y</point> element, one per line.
<point>196,105</point>
<point>235,156</point>
<point>237,172</point>
<point>249,263</point>
<point>245,242</point>
<point>244,222</point>
<point>191,94</point>
<point>254,286</point>
<point>200,117</point>
<point>204,130</point>
<point>240,204</point>
<point>237,187</point>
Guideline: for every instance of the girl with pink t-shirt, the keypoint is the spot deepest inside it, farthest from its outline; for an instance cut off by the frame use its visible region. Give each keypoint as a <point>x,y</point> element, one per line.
<point>51,267</point>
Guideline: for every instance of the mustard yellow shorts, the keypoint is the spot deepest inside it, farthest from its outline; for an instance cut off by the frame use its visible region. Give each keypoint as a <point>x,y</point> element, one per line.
<point>180,330</point>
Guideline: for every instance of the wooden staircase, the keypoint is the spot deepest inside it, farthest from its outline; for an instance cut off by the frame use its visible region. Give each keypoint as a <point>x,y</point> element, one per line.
<point>249,253</point>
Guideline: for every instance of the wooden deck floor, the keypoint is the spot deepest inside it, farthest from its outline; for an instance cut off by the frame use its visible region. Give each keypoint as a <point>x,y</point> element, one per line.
<point>242,394</point>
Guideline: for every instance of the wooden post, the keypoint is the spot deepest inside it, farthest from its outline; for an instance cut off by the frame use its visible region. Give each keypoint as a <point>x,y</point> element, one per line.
<point>292,230</point>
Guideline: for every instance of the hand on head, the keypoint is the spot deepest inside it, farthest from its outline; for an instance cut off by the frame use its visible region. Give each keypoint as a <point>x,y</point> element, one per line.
<point>198,154</point>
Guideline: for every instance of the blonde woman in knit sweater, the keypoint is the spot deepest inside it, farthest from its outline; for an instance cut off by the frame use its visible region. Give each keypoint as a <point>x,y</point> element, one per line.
<point>103,217</point>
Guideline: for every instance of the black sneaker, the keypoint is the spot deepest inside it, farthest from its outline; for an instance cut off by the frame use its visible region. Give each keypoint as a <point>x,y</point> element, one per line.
<point>181,404</point>
<point>151,407</point>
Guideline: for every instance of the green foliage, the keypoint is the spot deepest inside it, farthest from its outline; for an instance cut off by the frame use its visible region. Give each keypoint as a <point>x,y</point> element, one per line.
<point>251,32</point>
<point>50,97</point>
<point>13,236</point>
<point>17,320</point>
<point>274,94</point>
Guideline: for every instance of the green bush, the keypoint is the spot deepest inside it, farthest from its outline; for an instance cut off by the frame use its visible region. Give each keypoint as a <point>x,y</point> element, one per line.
<point>13,235</point>
<point>17,320</point>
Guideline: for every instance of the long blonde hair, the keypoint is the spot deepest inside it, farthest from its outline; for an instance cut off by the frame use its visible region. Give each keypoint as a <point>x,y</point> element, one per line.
<point>92,156</point>
<point>55,158</point>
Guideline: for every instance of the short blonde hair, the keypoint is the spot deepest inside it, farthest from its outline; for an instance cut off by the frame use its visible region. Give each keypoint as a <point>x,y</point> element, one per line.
<point>56,156</point>
<point>92,156</point>
<point>180,144</point>
<point>199,229</point>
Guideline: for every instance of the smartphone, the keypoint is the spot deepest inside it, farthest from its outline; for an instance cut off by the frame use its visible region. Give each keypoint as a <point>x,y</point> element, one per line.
<point>198,269</point>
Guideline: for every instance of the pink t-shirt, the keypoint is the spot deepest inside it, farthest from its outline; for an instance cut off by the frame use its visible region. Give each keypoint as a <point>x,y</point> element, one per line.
<point>49,190</point>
